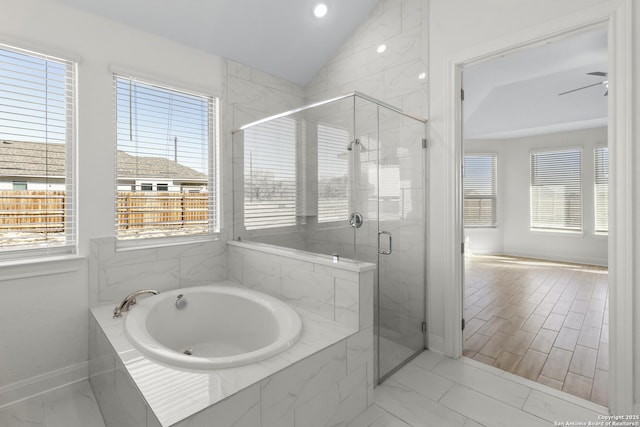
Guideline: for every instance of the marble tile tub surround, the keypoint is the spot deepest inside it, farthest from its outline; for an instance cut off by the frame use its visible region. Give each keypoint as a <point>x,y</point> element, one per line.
<point>324,379</point>
<point>113,274</point>
<point>341,291</point>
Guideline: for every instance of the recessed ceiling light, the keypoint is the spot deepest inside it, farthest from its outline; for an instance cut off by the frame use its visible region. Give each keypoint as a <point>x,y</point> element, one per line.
<point>320,10</point>
<point>422,76</point>
<point>381,48</point>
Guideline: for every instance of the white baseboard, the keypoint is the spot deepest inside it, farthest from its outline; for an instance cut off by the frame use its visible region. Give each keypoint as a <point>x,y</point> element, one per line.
<point>547,256</point>
<point>43,383</point>
<point>436,344</point>
<point>565,257</point>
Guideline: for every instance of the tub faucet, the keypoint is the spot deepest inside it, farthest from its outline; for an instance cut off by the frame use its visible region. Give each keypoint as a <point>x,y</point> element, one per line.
<point>130,300</point>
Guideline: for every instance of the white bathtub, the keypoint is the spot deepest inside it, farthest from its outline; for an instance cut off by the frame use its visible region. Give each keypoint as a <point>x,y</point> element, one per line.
<point>220,327</point>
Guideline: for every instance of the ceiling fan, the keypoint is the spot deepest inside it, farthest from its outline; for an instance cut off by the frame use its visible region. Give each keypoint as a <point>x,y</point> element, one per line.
<point>595,73</point>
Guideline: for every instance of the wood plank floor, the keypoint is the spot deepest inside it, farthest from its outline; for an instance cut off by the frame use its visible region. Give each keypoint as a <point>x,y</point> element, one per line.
<point>542,320</point>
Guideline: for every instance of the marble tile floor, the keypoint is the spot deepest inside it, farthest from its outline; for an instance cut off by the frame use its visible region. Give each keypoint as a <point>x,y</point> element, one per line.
<point>71,406</point>
<point>542,320</point>
<point>436,391</point>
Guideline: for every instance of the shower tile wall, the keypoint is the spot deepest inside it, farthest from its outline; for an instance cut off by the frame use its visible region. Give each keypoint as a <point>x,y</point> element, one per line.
<point>329,292</point>
<point>357,66</point>
<point>252,95</point>
<point>392,76</point>
<point>331,236</point>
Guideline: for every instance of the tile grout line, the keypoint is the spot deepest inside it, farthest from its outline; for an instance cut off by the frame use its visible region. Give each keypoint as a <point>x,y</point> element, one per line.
<point>495,400</point>
<point>526,400</point>
<point>393,414</point>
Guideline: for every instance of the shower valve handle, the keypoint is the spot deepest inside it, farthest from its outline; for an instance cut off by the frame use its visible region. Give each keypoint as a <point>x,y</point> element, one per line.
<point>356,219</point>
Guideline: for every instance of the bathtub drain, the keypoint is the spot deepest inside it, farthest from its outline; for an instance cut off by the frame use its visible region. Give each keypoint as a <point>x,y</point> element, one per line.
<point>188,351</point>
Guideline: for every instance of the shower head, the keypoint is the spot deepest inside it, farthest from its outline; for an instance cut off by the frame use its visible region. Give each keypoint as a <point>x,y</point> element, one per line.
<point>357,142</point>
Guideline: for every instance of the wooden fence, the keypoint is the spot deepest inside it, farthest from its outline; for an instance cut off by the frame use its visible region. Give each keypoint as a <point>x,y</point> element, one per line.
<point>154,210</point>
<point>44,211</point>
<point>32,211</point>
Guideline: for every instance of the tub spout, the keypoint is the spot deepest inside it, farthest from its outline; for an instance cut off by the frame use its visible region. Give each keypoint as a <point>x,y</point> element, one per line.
<point>130,300</point>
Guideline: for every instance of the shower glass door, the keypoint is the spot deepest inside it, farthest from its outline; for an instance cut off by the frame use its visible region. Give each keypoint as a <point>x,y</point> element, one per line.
<point>344,177</point>
<point>400,239</point>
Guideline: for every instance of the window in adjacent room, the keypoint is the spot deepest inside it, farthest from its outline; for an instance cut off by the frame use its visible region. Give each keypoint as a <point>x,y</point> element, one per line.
<point>20,185</point>
<point>556,190</point>
<point>480,190</point>
<point>601,189</point>
<point>37,196</point>
<point>333,174</point>
<point>167,135</point>
<point>270,174</point>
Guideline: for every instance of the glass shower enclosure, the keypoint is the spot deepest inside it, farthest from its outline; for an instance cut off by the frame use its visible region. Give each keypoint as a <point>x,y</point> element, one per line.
<point>344,177</point>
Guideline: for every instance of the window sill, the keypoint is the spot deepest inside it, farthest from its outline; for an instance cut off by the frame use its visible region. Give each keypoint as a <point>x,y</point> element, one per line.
<point>141,244</point>
<point>34,267</point>
<point>568,233</point>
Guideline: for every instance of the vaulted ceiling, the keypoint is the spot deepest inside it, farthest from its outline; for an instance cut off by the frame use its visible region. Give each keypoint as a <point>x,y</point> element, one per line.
<point>514,95</point>
<point>281,37</point>
<point>518,94</point>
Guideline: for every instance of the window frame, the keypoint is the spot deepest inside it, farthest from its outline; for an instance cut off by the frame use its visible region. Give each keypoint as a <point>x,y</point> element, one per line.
<point>494,155</point>
<point>15,184</point>
<point>213,165</point>
<point>597,232</point>
<point>69,247</point>
<point>561,230</point>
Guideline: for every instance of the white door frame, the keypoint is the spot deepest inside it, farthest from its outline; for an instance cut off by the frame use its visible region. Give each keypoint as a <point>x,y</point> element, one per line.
<point>617,16</point>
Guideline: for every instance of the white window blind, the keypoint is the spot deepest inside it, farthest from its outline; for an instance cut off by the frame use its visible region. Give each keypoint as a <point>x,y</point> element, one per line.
<point>556,190</point>
<point>601,189</point>
<point>37,97</point>
<point>270,174</point>
<point>480,190</point>
<point>165,142</point>
<point>333,174</point>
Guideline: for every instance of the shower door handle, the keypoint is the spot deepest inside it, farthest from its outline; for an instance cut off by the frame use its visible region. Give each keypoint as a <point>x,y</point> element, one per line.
<point>388,233</point>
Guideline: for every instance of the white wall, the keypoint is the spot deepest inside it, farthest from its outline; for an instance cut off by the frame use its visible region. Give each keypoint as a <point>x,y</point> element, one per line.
<point>45,318</point>
<point>512,235</point>
<point>635,193</point>
<point>44,308</point>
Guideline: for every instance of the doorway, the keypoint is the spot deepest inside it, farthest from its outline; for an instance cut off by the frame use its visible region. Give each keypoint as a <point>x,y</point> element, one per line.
<point>620,124</point>
<point>535,213</point>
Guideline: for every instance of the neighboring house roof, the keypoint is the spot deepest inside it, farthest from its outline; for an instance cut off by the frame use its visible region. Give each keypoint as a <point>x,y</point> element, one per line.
<point>37,159</point>
<point>31,159</point>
